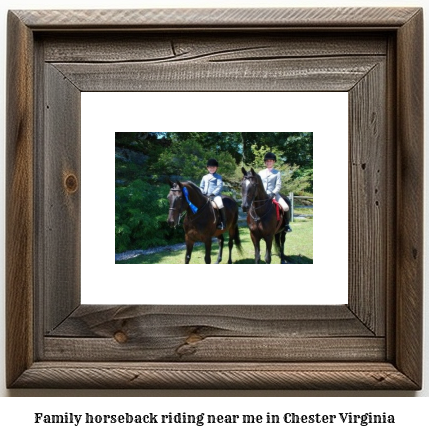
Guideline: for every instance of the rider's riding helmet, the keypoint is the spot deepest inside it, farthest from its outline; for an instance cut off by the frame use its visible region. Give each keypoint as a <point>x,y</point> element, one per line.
<point>212,163</point>
<point>270,156</point>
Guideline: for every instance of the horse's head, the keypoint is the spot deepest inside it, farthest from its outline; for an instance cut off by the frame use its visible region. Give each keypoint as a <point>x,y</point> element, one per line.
<point>249,187</point>
<point>176,205</point>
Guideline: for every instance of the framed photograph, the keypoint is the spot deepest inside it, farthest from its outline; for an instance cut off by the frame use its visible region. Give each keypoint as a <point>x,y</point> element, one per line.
<point>372,341</point>
<point>144,163</point>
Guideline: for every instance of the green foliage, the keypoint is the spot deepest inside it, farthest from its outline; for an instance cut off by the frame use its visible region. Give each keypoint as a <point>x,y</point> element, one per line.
<point>292,179</point>
<point>140,141</point>
<point>188,159</point>
<point>298,149</point>
<point>145,160</point>
<point>128,171</point>
<point>295,147</point>
<point>214,142</point>
<point>140,217</point>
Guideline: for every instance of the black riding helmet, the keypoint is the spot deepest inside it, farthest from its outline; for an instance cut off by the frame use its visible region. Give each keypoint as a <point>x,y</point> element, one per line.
<point>212,163</point>
<point>271,156</point>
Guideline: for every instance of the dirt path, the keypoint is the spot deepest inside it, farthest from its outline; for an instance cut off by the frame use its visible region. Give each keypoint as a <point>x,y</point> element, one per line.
<point>134,253</point>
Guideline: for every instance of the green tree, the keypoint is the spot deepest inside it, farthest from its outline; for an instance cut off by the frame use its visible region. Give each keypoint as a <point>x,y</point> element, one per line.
<point>141,211</point>
<point>291,180</point>
<point>216,142</point>
<point>188,158</point>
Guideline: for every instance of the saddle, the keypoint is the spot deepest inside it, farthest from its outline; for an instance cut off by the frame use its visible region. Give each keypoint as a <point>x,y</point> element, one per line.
<point>215,208</point>
<point>280,213</point>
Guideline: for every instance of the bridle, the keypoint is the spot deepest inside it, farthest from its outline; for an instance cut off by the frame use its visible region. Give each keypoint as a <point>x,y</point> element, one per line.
<point>253,201</point>
<point>255,183</point>
<point>181,215</point>
<point>184,213</point>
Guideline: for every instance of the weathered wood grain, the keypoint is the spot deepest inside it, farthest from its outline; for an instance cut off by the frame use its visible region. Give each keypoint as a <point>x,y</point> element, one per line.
<point>190,347</point>
<point>368,202</point>
<point>409,260</point>
<point>61,193</point>
<point>217,348</point>
<point>186,19</point>
<point>172,47</point>
<point>213,333</point>
<point>297,74</point>
<point>248,376</point>
<point>19,200</point>
<point>391,192</point>
<point>99,321</point>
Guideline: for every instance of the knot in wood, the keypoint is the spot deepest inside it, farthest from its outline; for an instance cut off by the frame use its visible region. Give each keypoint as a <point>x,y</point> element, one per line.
<point>193,338</point>
<point>71,183</point>
<point>120,337</point>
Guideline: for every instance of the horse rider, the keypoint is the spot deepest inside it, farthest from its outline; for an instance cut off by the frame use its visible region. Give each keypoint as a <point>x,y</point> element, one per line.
<point>272,182</point>
<point>211,185</point>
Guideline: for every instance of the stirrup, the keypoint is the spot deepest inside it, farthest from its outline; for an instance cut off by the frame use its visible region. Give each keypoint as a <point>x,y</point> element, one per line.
<point>220,226</point>
<point>287,228</point>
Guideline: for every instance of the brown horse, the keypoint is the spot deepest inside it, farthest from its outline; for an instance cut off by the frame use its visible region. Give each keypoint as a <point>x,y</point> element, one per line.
<point>201,218</point>
<point>262,216</point>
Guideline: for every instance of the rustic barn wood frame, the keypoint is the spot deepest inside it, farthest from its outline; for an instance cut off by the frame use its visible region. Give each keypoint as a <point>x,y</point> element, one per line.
<point>373,342</point>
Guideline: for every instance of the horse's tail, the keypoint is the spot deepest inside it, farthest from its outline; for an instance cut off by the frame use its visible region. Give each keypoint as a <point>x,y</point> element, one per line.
<point>236,236</point>
<point>277,243</point>
<point>237,240</point>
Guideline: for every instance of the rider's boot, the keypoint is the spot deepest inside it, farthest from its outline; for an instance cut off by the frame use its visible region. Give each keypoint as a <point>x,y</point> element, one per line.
<point>222,224</point>
<point>287,220</point>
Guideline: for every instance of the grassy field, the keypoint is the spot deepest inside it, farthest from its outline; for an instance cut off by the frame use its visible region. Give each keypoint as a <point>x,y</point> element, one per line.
<point>298,249</point>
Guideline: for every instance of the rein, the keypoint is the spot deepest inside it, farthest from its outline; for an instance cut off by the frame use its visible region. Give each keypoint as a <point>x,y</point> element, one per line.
<point>191,206</point>
<point>257,217</point>
<point>196,215</point>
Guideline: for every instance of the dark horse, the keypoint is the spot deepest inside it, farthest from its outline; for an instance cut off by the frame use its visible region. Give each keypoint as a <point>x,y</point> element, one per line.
<point>201,225</point>
<point>262,216</point>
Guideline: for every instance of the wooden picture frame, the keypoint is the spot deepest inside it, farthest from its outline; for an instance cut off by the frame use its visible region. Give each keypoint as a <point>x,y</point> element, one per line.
<point>373,342</point>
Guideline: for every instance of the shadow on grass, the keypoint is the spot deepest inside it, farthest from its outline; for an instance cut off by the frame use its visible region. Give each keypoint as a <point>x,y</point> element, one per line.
<point>155,259</point>
<point>299,242</point>
<point>298,259</point>
<point>275,259</point>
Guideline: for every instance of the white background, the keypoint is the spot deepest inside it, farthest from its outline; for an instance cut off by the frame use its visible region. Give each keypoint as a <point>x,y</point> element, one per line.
<point>323,113</point>
<point>412,413</point>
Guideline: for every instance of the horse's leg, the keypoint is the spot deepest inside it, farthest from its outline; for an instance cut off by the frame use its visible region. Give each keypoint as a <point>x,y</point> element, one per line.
<point>233,235</point>
<point>256,244</point>
<point>232,231</point>
<point>189,248</point>
<point>208,244</point>
<point>269,244</point>
<point>277,243</point>
<point>282,237</point>
<point>220,240</point>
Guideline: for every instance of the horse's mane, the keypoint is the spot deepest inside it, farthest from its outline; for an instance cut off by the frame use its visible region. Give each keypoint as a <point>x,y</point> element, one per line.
<point>195,188</point>
<point>258,177</point>
<point>190,183</point>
